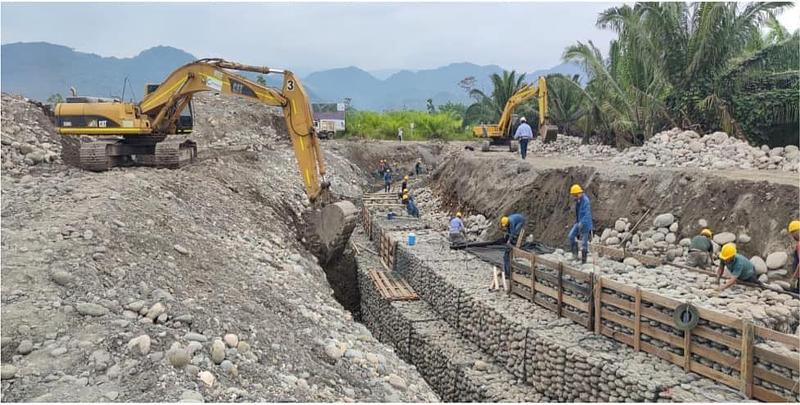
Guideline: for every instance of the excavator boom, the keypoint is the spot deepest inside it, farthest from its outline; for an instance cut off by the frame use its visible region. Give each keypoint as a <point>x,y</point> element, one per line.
<point>149,133</point>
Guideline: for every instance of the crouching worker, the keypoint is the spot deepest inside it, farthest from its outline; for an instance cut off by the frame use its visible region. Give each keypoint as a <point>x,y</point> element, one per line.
<point>739,266</point>
<point>701,250</point>
<point>458,234</point>
<point>512,225</point>
<point>583,223</point>
<point>794,231</point>
<point>411,207</point>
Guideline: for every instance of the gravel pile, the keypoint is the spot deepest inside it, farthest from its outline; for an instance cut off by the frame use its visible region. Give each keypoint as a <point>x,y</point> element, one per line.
<point>571,146</point>
<point>28,137</point>
<point>717,151</point>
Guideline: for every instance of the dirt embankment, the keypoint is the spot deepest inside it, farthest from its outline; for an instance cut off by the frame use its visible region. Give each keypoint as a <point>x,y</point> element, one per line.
<point>757,203</point>
<point>120,286</point>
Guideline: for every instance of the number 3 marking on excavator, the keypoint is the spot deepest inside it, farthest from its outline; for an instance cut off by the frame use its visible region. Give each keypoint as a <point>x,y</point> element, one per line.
<point>290,85</point>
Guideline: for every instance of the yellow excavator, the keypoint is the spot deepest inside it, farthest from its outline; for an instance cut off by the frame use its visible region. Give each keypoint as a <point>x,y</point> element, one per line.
<point>98,134</point>
<point>500,133</point>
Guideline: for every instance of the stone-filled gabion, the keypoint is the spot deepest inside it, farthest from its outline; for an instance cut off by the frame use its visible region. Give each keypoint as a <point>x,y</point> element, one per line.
<point>557,358</point>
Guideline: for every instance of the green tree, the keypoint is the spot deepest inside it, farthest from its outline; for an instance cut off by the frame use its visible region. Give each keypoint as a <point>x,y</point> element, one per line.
<point>488,108</point>
<point>456,110</point>
<point>55,99</point>
<point>429,105</point>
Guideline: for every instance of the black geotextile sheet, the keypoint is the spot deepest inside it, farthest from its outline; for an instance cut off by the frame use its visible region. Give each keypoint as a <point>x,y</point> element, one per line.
<point>492,252</point>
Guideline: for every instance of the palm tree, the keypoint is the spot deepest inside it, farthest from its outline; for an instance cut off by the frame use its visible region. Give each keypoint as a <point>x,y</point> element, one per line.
<point>487,109</point>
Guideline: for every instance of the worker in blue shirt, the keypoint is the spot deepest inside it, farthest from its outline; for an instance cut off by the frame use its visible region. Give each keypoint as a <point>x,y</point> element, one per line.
<point>513,225</point>
<point>524,134</point>
<point>457,232</point>
<point>387,180</point>
<point>583,222</point>
<point>411,207</point>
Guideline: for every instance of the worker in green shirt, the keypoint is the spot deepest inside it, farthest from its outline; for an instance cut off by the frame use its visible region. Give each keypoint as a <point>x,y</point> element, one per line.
<point>739,266</point>
<point>701,250</point>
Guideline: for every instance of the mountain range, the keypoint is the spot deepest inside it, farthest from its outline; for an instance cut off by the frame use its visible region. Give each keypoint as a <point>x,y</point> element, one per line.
<point>38,70</point>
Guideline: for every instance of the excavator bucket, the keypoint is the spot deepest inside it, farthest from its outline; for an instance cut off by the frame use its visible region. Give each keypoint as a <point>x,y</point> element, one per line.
<point>328,229</point>
<point>548,133</point>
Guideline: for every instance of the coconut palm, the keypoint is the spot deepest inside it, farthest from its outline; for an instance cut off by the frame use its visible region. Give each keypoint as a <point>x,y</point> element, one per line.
<point>488,108</point>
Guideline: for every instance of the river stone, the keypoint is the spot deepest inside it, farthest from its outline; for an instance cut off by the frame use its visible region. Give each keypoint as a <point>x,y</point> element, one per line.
<point>763,278</point>
<point>673,227</point>
<point>759,264</point>
<point>86,308</point>
<point>776,260</point>
<point>664,220</point>
<point>702,222</point>
<point>658,237</point>
<point>685,242</point>
<point>141,344</point>
<point>217,351</point>
<point>8,371</point>
<point>231,340</point>
<point>724,237</point>
<point>670,238</point>
<point>743,238</point>
<point>630,261</point>
<point>612,241</point>
<point>207,378</point>
<point>619,226</point>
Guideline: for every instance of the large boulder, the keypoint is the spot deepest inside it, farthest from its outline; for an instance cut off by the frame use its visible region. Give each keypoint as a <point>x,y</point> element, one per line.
<point>776,260</point>
<point>759,264</point>
<point>664,220</point>
<point>724,237</point>
<point>619,226</point>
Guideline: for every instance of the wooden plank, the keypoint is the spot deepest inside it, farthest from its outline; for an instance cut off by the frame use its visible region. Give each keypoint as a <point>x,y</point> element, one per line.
<point>533,277</point>
<point>576,274</point>
<point>665,337</point>
<point>716,356</point>
<point>661,300</point>
<point>621,337</point>
<point>720,318</point>
<point>717,337</point>
<point>662,354</point>
<point>657,315</point>
<point>618,302</point>
<point>616,318</point>
<point>637,320</point>
<point>560,299</point>
<point>553,279</point>
<point>576,317</point>
<point>598,288</point>
<point>763,394</point>
<point>714,374</point>
<point>792,363</point>
<point>769,334</point>
<point>777,379</point>
<point>542,302</point>
<point>687,349</point>
<point>619,287</point>
<point>552,293</point>
<point>746,353</point>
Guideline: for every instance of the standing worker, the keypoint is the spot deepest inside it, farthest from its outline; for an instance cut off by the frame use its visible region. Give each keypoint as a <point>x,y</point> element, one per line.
<point>418,167</point>
<point>404,185</point>
<point>701,250</point>
<point>583,222</point>
<point>400,134</point>
<point>387,180</point>
<point>794,231</point>
<point>513,225</point>
<point>458,234</point>
<point>524,134</point>
<point>739,266</point>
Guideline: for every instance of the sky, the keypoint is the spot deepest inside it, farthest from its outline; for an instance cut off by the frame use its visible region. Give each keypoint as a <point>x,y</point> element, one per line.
<point>316,36</point>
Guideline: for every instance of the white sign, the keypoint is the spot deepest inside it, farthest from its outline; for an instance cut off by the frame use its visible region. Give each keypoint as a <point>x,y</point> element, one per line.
<point>339,106</point>
<point>412,125</point>
<point>214,83</point>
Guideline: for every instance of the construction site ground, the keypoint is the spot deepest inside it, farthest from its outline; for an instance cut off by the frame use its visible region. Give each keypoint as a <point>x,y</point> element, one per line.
<point>116,285</point>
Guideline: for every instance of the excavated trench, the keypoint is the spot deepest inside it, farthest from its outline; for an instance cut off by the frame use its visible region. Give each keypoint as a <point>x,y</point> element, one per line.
<point>474,345</point>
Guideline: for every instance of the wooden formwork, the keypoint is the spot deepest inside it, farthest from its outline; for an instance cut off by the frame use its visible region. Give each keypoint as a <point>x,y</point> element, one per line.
<point>620,254</point>
<point>387,249</point>
<point>392,288</point>
<point>594,302</point>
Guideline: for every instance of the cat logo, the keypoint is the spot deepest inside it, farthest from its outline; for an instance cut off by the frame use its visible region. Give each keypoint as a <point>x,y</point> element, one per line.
<point>102,123</point>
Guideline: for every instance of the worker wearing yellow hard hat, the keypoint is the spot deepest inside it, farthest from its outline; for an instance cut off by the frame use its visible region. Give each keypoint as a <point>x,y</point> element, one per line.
<point>701,250</point>
<point>794,232</point>
<point>512,225</point>
<point>738,265</point>
<point>583,223</point>
<point>457,231</point>
<point>404,184</point>
<point>418,167</point>
<point>411,206</point>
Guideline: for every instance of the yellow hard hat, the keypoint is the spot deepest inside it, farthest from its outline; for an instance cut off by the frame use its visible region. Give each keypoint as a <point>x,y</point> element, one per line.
<point>405,196</point>
<point>728,251</point>
<point>405,191</point>
<point>405,177</point>
<point>575,189</point>
<point>794,226</point>
<point>504,221</point>
<point>458,214</point>
<point>706,232</point>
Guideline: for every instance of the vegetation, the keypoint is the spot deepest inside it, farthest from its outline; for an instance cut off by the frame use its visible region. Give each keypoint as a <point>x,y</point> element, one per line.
<point>701,65</point>
<point>442,125</point>
<point>489,108</point>
<point>55,99</point>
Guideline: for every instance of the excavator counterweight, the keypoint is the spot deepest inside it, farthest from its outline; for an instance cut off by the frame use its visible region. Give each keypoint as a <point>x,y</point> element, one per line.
<point>98,134</point>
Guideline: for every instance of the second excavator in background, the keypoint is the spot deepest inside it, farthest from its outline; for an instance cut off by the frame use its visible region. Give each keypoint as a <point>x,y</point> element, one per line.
<point>98,134</point>
<point>501,133</point>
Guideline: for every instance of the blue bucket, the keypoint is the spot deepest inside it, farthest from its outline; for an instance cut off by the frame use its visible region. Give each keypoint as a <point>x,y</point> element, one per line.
<point>412,239</point>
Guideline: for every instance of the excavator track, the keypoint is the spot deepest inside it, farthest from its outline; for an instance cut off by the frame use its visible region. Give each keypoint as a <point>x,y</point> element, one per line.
<point>90,154</point>
<point>102,154</point>
<point>171,154</point>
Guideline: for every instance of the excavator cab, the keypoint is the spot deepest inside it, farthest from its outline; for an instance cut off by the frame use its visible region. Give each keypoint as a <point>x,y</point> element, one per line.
<point>185,121</point>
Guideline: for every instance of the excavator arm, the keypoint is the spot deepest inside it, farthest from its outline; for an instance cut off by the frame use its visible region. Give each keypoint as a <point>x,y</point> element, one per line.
<point>522,95</point>
<point>165,103</point>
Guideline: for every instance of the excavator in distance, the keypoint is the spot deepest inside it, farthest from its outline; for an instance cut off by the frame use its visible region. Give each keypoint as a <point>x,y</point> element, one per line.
<point>98,134</point>
<point>500,133</point>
